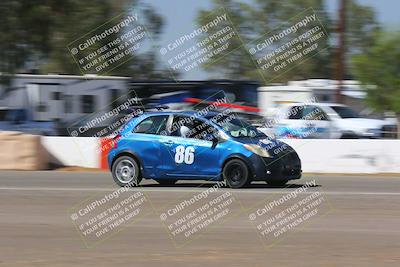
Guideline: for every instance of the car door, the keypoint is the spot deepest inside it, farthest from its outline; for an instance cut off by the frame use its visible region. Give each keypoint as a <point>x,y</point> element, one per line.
<point>190,156</point>
<point>290,123</point>
<point>316,122</point>
<point>144,142</point>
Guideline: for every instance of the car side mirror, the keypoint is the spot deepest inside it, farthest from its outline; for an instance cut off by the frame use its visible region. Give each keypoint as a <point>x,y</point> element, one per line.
<point>213,138</point>
<point>215,141</point>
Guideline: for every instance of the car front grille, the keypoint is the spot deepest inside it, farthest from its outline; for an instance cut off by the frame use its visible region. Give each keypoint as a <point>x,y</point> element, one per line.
<point>290,161</point>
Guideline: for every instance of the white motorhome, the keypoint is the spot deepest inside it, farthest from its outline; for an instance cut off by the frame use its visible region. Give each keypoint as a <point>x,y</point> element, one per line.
<point>66,97</point>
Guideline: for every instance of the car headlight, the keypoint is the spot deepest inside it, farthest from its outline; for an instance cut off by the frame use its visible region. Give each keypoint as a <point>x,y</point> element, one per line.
<point>258,150</point>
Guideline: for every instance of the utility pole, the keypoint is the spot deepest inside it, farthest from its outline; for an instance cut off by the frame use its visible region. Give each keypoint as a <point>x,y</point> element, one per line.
<point>340,64</point>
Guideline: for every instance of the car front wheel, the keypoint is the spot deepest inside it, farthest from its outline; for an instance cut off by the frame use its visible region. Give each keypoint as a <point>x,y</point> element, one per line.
<point>235,173</point>
<point>126,172</point>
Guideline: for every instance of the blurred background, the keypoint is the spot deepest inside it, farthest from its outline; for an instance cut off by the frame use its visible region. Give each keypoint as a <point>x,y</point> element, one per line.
<point>354,81</point>
<point>73,71</point>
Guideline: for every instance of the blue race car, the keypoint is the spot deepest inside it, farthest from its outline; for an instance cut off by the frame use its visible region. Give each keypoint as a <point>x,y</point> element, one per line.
<point>172,146</point>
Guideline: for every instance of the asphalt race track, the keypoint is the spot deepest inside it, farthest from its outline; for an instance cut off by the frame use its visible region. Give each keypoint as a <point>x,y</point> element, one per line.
<point>357,224</point>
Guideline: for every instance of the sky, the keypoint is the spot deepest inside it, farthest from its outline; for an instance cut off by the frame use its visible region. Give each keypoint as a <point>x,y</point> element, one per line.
<point>387,11</point>
<point>180,17</point>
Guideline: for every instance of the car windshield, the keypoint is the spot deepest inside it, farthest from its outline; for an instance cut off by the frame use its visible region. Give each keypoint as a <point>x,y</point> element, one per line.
<point>236,127</point>
<point>345,112</point>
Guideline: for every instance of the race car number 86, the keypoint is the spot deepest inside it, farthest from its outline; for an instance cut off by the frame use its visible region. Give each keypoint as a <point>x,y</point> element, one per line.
<point>185,155</point>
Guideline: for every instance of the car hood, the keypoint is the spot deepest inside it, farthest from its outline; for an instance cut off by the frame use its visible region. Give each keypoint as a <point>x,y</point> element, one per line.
<point>263,141</point>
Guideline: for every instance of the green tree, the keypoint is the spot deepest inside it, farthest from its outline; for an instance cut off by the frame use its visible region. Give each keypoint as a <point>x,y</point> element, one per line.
<point>255,19</point>
<point>24,35</point>
<point>236,64</point>
<point>34,35</point>
<point>252,21</point>
<point>379,70</point>
<point>361,27</point>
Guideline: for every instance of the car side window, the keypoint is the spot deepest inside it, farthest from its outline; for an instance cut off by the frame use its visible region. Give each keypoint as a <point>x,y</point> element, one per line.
<point>203,131</point>
<point>314,113</point>
<point>321,114</point>
<point>295,113</point>
<point>176,126</point>
<point>187,127</point>
<point>152,125</point>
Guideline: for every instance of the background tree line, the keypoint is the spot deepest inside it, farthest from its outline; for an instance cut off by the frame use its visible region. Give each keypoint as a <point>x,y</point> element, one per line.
<point>34,36</point>
<point>372,56</point>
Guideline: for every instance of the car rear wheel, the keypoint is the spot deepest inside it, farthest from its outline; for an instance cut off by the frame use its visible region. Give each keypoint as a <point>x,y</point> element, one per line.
<point>166,182</point>
<point>126,172</point>
<point>236,173</point>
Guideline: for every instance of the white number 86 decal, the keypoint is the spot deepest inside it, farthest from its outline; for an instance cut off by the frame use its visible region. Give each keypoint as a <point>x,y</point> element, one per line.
<point>183,154</point>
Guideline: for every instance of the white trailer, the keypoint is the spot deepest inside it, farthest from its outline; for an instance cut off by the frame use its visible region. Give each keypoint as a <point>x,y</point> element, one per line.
<point>66,97</point>
<point>271,97</point>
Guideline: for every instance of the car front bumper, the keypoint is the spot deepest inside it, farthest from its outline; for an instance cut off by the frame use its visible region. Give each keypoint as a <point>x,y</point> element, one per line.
<point>284,166</point>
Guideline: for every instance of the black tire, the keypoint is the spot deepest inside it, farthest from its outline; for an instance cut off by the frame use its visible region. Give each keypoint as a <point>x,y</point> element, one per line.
<point>126,172</point>
<point>166,182</point>
<point>236,173</point>
<point>277,182</point>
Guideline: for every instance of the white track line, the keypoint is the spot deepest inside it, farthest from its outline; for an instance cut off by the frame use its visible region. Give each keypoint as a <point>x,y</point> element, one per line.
<point>248,191</point>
